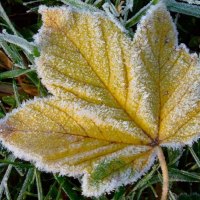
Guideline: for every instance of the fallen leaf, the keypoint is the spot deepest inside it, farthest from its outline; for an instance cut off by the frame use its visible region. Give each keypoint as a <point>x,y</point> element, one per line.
<point>114,99</point>
<point>5,61</point>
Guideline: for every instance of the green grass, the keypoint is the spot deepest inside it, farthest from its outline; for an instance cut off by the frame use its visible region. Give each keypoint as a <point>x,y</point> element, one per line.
<point>18,82</point>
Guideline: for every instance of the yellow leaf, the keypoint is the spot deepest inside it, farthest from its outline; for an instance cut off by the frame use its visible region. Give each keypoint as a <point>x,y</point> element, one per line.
<point>172,75</point>
<point>114,99</point>
<point>98,59</point>
<point>74,136</point>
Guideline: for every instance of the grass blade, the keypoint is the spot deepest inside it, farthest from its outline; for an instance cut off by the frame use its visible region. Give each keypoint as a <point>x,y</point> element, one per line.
<point>16,93</point>
<point>26,183</point>
<point>67,188</point>
<point>51,192</point>
<point>184,8</point>
<point>80,5</point>
<point>7,20</point>
<point>12,52</point>
<point>183,176</point>
<point>6,177</point>
<point>8,196</point>
<point>20,42</point>
<point>135,19</point>
<point>195,156</point>
<point>120,193</point>
<point>22,165</point>
<point>14,73</point>
<point>39,185</point>
<point>59,193</point>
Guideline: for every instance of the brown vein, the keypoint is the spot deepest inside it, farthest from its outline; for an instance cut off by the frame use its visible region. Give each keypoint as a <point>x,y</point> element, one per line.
<point>162,34</point>
<point>181,98</point>
<point>129,162</point>
<point>73,78</point>
<point>75,61</point>
<point>149,136</point>
<point>143,58</point>
<point>182,125</point>
<point>48,117</point>
<point>150,42</point>
<point>51,51</point>
<point>64,134</point>
<point>69,116</point>
<point>126,77</point>
<point>39,131</point>
<point>89,100</point>
<point>138,105</point>
<point>98,128</point>
<point>94,157</point>
<point>178,86</point>
<point>171,67</point>
<point>67,153</point>
<point>61,47</point>
<point>106,49</point>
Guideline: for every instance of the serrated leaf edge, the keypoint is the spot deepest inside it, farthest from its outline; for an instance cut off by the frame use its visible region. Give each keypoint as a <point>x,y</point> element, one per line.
<point>70,171</point>
<point>114,184</point>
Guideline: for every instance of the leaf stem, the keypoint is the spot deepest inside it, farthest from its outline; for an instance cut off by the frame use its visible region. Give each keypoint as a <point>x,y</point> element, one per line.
<point>164,169</point>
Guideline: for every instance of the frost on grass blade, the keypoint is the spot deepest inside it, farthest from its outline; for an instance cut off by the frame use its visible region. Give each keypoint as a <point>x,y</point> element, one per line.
<point>18,41</point>
<point>114,100</point>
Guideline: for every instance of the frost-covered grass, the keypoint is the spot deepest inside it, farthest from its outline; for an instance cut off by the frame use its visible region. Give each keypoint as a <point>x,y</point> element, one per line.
<point>18,82</point>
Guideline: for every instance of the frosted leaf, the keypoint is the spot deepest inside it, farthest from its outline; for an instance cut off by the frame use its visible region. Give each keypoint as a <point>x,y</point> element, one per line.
<point>90,41</point>
<point>73,136</point>
<point>114,99</point>
<point>106,176</point>
<point>169,78</point>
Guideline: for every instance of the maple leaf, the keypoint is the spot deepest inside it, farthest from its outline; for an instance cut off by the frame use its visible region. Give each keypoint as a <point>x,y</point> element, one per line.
<point>115,100</point>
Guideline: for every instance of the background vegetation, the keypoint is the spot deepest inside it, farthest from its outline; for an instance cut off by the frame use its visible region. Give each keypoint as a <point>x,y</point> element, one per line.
<point>18,82</point>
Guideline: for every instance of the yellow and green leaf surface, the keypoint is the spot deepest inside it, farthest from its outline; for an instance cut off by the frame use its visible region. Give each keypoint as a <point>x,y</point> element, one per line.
<point>114,99</point>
